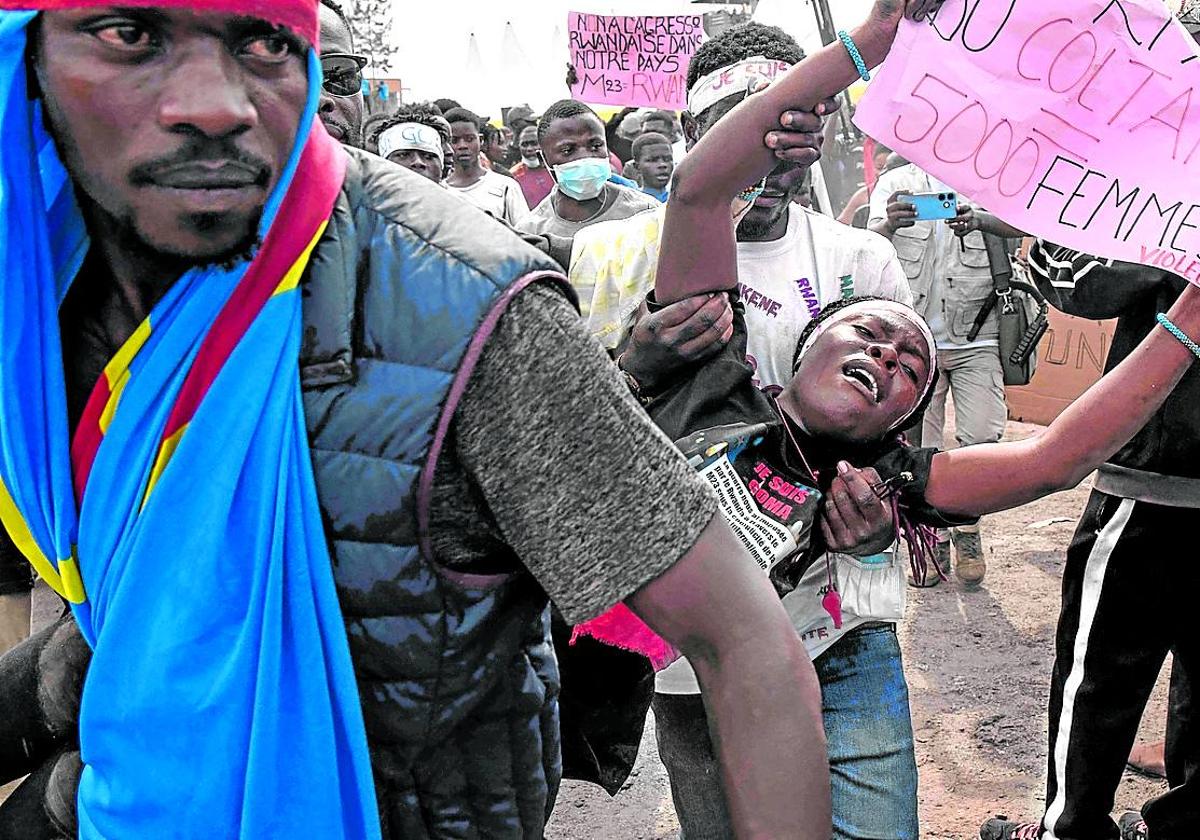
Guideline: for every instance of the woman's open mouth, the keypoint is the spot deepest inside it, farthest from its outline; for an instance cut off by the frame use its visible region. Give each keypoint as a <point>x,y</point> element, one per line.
<point>864,379</point>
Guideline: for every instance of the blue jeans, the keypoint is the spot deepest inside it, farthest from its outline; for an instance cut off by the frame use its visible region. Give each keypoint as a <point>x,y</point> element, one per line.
<point>873,767</point>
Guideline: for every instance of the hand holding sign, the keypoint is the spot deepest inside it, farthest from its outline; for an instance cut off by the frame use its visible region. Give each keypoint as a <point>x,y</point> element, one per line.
<point>1074,120</point>
<point>892,11</point>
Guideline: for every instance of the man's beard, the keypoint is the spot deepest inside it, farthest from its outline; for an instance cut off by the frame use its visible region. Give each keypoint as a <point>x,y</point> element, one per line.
<point>753,226</point>
<point>244,248</point>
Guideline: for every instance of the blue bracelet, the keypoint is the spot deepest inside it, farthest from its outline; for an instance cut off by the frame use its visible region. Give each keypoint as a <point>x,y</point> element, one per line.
<point>855,55</point>
<point>1178,333</point>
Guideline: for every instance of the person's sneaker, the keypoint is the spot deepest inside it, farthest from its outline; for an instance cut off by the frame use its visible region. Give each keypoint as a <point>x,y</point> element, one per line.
<point>969,564</point>
<point>942,554</point>
<point>1001,827</point>
<point>1132,826</point>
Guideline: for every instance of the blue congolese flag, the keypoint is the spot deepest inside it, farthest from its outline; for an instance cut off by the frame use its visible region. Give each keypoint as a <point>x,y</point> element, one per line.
<point>183,523</point>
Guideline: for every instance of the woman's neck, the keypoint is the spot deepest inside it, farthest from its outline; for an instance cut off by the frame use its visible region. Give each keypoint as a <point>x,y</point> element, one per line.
<point>817,454</point>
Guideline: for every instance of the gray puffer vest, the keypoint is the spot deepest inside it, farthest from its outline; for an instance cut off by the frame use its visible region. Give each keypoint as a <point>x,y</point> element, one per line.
<point>456,672</point>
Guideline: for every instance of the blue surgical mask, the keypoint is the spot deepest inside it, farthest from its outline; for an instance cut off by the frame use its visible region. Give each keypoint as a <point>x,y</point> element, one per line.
<point>582,179</point>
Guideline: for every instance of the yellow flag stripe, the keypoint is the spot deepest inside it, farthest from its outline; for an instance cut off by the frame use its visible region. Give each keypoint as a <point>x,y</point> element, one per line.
<point>292,279</point>
<point>164,457</point>
<point>110,407</point>
<point>65,579</point>
<point>119,364</point>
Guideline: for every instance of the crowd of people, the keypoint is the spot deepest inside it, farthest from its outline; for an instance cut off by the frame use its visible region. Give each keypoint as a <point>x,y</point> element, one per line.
<point>366,532</point>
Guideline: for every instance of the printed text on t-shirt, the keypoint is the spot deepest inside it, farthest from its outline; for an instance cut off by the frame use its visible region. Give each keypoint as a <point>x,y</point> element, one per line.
<point>758,300</point>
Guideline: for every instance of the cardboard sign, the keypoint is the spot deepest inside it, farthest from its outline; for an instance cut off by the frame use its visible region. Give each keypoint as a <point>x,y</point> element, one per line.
<point>1075,120</point>
<point>1071,359</point>
<point>633,60</point>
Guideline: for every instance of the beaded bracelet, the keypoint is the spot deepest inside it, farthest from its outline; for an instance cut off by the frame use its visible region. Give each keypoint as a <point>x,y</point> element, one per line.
<point>1178,333</point>
<point>855,55</point>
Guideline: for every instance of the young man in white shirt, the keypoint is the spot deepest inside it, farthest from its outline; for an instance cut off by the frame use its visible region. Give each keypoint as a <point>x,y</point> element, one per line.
<point>497,195</point>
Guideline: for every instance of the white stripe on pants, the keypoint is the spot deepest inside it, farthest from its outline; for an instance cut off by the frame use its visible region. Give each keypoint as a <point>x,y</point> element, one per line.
<point>1093,585</point>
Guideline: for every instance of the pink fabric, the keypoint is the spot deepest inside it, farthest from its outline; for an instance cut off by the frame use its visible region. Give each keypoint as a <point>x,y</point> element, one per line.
<point>620,628</point>
<point>870,176</point>
<point>300,16</point>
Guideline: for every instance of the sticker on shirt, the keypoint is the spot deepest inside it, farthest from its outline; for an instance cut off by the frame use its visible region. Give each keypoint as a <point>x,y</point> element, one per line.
<point>770,511</point>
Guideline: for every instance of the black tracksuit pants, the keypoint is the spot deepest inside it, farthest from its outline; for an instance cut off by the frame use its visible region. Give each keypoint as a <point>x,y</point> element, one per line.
<point>1131,593</point>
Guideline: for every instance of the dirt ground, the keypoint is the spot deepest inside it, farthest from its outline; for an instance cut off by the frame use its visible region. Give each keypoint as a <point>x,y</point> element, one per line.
<point>978,666</point>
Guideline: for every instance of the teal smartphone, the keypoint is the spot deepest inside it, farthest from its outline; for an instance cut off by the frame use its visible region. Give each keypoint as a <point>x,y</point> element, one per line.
<point>934,206</point>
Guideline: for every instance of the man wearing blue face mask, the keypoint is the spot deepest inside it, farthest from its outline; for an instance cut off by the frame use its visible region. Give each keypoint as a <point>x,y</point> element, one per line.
<point>572,140</point>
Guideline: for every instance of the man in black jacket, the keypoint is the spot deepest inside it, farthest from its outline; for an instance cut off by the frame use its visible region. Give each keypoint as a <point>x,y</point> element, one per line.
<point>1129,585</point>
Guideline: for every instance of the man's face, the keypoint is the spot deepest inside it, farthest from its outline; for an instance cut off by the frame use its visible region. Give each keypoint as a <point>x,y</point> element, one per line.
<point>423,163</point>
<point>655,163</point>
<point>783,186</point>
<point>342,115</point>
<point>464,139</point>
<point>174,124</point>
<point>529,146</point>
<point>787,183</point>
<point>574,138</point>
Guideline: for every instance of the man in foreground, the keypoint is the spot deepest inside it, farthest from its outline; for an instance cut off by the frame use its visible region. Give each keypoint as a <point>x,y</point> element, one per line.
<point>274,485</point>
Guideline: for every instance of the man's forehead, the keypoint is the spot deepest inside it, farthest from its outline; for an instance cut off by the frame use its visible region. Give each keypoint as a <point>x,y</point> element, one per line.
<point>580,125</point>
<point>335,34</point>
<point>299,16</point>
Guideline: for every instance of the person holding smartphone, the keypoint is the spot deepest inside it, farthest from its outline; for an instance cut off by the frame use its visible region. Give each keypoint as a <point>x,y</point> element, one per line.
<point>947,267</point>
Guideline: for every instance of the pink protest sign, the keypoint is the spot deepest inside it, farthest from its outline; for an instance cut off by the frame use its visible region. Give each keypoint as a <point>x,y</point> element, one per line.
<point>1075,120</point>
<point>637,60</point>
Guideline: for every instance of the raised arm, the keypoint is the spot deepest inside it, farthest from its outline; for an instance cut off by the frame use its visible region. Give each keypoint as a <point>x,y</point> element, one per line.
<point>981,479</point>
<point>698,247</point>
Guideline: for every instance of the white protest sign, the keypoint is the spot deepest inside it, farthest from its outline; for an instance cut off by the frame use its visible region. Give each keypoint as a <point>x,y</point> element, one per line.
<point>1075,120</point>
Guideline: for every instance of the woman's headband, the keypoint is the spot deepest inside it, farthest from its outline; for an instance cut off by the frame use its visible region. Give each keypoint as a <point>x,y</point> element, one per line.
<point>411,135</point>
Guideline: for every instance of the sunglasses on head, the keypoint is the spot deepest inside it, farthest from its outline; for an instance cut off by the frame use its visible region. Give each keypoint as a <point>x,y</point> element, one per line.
<point>343,73</point>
